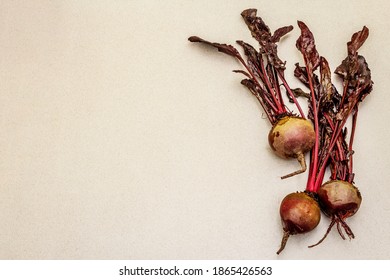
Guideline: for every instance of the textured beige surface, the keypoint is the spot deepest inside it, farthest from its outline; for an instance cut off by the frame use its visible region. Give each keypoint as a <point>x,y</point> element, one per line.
<point>121,140</point>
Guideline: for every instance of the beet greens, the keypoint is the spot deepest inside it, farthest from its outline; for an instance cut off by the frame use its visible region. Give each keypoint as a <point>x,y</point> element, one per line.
<point>292,135</point>
<point>323,99</point>
<point>339,198</point>
<point>329,111</point>
<point>263,68</point>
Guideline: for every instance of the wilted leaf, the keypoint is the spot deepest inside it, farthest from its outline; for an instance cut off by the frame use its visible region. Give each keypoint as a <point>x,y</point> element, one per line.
<point>242,72</point>
<point>261,32</point>
<point>357,40</point>
<point>280,32</point>
<point>306,45</point>
<point>224,48</point>
<point>326,83</point>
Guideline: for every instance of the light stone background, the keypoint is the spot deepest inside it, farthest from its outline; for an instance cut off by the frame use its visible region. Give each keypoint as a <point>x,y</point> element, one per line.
<point>122,140</point>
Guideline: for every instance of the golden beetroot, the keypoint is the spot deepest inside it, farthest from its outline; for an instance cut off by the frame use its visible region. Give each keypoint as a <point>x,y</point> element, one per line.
<point>292,137</point>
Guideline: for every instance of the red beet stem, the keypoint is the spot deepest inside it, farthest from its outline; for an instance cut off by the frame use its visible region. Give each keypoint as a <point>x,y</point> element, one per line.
<point>290,93</point>
<point>314,160</point>
<point>338,129</point>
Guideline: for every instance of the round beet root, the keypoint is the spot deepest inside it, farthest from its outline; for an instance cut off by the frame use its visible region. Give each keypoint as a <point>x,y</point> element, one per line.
<point>339,200</point>
<point>300,213</point>
<point>292,137</point>
<point>338,197</point>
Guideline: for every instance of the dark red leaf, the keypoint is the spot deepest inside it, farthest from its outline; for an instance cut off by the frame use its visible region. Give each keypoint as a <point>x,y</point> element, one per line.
<point>224,48</point>
<point>280,32</point>
<point>326,83</point>
<point>306,45</point>
<point>357,40</point>
<point>242,72</point>
<point>260,31</point>
<point>301,73</point>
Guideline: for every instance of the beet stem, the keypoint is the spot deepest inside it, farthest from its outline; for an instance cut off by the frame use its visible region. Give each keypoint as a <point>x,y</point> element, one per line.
<point>291,94</point>
<point>259,98</point>
<point>311,186</point>
<point>275,109</point>
<point>279,104</point>
<point>338,129</point>
<point>352,136</point>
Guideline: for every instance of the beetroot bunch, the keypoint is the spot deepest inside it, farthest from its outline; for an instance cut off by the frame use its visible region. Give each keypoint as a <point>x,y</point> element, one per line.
<point>323,132</point>
<point>338,198</point>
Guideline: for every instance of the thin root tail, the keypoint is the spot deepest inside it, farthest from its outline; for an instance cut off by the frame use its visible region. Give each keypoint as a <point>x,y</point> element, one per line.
<point>302,162</point>
<point>346,228</point>
<point>326,234</point>
<point>286,235</point>
<point>339,222</point>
